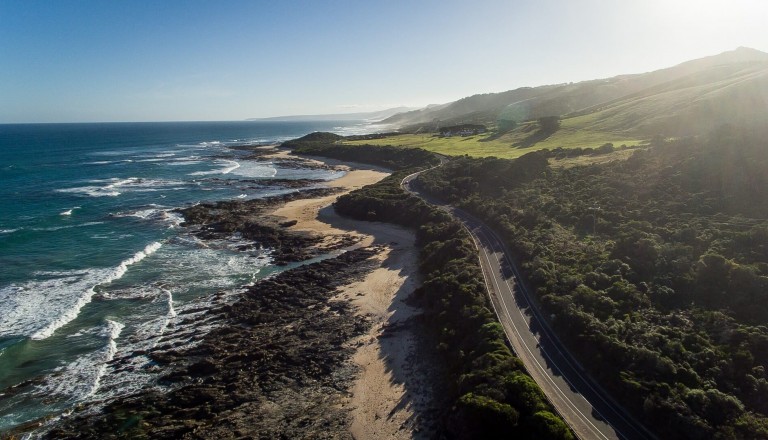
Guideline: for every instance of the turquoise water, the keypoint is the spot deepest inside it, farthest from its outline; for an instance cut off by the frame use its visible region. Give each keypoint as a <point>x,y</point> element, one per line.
<point>93,263</point>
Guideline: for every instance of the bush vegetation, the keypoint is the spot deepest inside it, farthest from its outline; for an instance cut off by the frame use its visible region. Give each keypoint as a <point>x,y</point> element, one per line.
<point>655,271</point>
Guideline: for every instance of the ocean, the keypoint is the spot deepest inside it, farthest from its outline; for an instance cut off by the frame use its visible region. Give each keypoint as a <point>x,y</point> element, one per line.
<point>93,262</point>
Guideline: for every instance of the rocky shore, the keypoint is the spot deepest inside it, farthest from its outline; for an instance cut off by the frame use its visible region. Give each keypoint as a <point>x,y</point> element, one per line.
<point>327,350</point>
<point>278,369</point>
<point>251,221</point>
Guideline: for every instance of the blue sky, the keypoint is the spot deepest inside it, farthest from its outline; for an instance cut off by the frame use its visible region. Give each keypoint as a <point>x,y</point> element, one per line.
<point>77,61</point>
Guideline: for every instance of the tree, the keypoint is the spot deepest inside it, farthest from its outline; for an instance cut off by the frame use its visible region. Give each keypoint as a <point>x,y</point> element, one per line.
<point>549,124</point>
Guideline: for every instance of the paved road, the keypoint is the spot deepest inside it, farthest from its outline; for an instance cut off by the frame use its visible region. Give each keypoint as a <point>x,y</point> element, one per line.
<point>587,409</point>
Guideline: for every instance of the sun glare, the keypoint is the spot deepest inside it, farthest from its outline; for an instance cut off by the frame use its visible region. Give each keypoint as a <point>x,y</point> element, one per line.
<point>711,11</point>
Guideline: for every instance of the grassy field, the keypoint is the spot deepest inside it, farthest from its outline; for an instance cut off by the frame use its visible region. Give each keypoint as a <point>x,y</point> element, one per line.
<point>513,144</point>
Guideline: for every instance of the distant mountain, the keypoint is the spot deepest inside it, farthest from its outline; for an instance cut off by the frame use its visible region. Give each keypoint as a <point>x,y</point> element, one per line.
<point>364,116</point>
<point>731,87</point>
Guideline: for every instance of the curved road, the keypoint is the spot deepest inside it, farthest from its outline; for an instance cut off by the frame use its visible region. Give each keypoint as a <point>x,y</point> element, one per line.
<point>583,404</point>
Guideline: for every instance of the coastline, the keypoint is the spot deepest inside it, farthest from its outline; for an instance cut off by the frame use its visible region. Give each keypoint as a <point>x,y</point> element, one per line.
<point>330,342</point>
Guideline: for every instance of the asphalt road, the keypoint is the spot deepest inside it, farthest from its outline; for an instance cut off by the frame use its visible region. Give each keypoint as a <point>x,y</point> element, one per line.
<point>582,403</point>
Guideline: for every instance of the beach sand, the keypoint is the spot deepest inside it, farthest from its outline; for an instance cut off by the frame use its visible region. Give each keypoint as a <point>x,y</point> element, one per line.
<point>390,397</point>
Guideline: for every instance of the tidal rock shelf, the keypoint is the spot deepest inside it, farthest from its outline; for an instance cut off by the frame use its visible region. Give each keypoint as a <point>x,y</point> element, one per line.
<point>278,368</point>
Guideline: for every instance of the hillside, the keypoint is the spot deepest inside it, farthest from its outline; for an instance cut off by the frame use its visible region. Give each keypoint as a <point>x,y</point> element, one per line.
<point>362,116</point>
<point>731,87</point>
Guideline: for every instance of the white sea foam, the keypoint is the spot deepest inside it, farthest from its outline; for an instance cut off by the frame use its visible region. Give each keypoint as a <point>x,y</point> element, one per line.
<point>56,228</point>
<point>255,169</point>
<point>69,211</point>
<point>153,159</point>
<point>156,213</point>
<point>115,187</point>
<point>145,213</point>
<point>81,378</point>
<point>184,162</point>
<point>113,329</point>
<point>171,310</point>
<point>92,191</point>
<point>109,190</point>
<point>8,231</point>
<point>111,372</point>
<point>137,371</point>
<point>38,308</point>
<point>138,256</point>
<point>229,166</point>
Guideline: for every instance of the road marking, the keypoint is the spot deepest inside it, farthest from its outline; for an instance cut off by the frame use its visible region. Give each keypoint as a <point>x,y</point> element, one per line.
<point>577,369</point>
<point>532,357</point>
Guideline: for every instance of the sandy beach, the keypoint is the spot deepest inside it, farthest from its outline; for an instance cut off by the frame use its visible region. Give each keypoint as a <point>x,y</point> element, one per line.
<point>389,397</point>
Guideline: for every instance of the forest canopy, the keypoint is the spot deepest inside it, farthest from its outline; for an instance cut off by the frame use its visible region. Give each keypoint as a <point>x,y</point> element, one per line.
<point>654,269</point>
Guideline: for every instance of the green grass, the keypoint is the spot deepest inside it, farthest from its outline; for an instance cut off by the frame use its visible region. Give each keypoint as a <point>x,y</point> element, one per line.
<point>569,136</point>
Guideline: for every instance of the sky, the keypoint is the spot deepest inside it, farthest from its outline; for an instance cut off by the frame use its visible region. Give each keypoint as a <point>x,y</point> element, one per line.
<point>142,60</point>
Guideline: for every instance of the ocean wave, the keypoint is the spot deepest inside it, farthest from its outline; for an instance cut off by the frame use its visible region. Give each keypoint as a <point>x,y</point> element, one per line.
<point>57,228</point>
<point>109,190</point>
<point>91,191</point>
<point>155,213</point>
<point>137,371</point>
<point>38,308</point>
<point>111,153</point>
<point>112,331</point>
<point>50,228</point>
<point>115,186</point>
<point>153,159</point>
<point>230,165</point>
<point>81,378</point>
<point>69,211</point>
<point>170,314</point>
<point>138,256</point>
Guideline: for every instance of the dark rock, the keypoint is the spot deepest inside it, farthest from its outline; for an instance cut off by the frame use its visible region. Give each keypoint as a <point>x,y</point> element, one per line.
<point>278,367</point>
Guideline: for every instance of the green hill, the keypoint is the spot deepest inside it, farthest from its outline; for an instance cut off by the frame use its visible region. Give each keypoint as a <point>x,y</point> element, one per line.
<point>729,88</point>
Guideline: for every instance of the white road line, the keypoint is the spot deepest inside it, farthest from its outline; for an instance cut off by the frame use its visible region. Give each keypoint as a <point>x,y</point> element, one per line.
<point>566,358</point>
<point>532,356</point>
